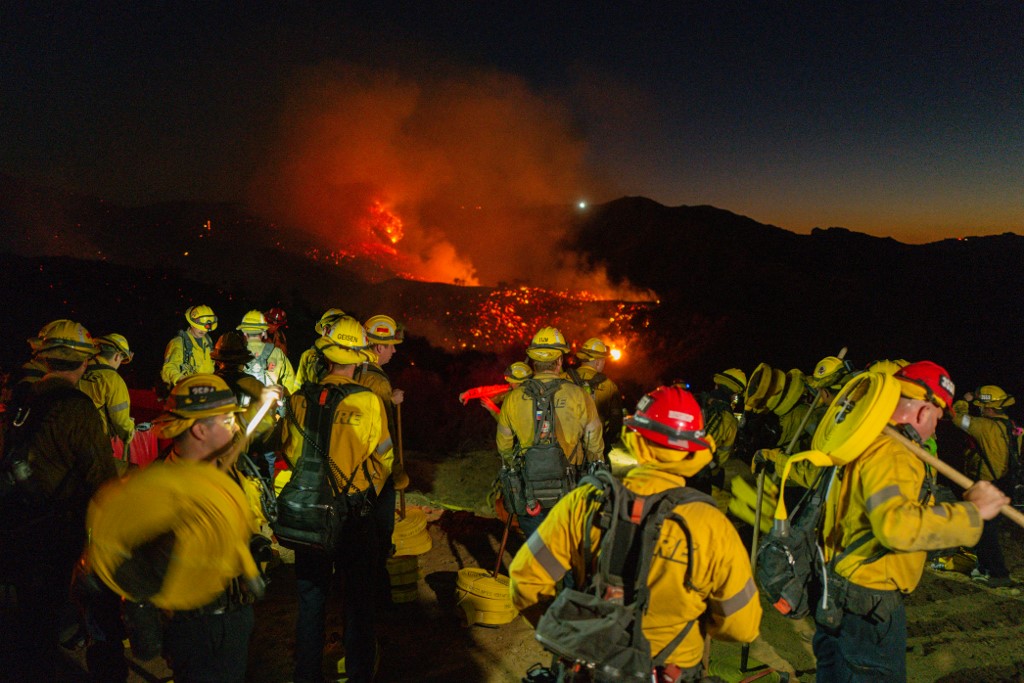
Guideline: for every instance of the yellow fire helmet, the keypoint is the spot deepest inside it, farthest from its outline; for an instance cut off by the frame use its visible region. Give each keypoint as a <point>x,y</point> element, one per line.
<point>991,396</point>
<point>733,379</point>
<point>119,343</point>
<point>173,535</point>
<point>518,372</point>
<point>330,316</point>
<point>828,373</point>
<point>67,340</point>
<point>191,399</point>
<point>253,322</point>
<point>201,317</point>
<point>547,345</point>
<point>382,329</point>
<point>346,344</point>
<point>592,349</point>
<point>886,367</point>
<point>36,342</point>
<point>792,390</point>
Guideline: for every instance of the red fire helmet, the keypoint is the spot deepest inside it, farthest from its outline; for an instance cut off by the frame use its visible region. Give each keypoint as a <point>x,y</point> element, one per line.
<point>931,382</point>
<point>670,417</point>
<point>277,317</point>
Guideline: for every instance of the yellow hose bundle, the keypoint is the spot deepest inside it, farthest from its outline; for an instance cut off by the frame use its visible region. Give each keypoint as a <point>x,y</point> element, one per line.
<point>200,509</point>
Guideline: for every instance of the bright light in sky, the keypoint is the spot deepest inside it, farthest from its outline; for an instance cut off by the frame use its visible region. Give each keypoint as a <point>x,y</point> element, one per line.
<point>582,205</point>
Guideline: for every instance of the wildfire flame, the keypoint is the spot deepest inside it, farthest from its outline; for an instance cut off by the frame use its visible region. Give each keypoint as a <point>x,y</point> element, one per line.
<point>383,223</point>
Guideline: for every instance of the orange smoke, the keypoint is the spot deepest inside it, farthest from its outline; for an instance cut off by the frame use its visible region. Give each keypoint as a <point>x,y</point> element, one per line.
<point>468,179</point>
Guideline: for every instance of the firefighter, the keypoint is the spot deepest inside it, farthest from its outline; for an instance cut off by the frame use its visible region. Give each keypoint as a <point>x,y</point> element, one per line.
<point>210,642</point>
<point>34,368</point>
<point>277,321</point>
<point>576,428</point>
<point>666,435</point>
<point>383,335</point>
<point>998,441</point>
<point>107,389</point>
<point>269,364</point>
<point>59,456</point>
<point>357,438</point>
<point>593,355</point>
<point>188,353</point>
<point>311,365</point>
<point>877,531</point>
<point>717,406</point>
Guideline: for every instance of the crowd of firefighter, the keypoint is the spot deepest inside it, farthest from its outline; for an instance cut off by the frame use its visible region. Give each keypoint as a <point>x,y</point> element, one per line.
<point>170,554</point>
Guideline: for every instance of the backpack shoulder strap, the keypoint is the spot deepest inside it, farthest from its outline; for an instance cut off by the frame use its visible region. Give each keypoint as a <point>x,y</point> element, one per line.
<point>186,347</point>
<point>321,400</point>
<point>268,348</point>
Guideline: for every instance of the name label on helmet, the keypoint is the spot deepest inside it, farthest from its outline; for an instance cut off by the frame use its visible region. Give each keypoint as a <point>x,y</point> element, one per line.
<point>947,384</point>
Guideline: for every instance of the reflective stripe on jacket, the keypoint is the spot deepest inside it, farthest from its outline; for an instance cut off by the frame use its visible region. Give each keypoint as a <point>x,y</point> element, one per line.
<point>879,493</point>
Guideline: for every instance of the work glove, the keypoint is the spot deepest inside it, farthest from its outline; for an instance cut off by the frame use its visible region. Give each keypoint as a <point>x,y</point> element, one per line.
<point>400,477</point>
<point>763,461</point>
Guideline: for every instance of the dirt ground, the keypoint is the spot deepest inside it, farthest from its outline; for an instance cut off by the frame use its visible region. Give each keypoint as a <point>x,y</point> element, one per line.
<point>958,630</point>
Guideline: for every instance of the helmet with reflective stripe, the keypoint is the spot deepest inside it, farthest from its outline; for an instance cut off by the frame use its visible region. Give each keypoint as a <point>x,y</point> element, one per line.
<point>518,372</point>
<point>829,372</point>
<point>991,396</point>
<point>592,349</point>
<point>330,316</point>
<point>201,317</point>
<point>670,417</point>
<point>67,340</point>
<point>547,345</point>
<point>927,381</point>
<point>199,396</point>
<point>346,344</point>
<point>36,342</point>
<point>382,329</point>
<point>253,322</point>
<point>733,379</point>
<point>277,316</point>
<point>119,343</point>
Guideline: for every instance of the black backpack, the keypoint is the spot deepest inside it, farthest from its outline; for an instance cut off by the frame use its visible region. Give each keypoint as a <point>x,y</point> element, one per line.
<point>601,626</point>
<point>588,385</point>
<point>1012,480</point>
<point>22,499</point>
<point>547,472</point>
<point>312,507</point>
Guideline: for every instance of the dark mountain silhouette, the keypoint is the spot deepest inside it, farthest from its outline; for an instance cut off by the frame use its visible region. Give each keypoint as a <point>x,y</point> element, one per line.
<point>732,291</point>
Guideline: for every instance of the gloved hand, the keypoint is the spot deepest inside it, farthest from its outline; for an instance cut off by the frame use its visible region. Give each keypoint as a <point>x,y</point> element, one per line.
<point>762,461</point>
<point>400,477</point>
<point>260,547</point>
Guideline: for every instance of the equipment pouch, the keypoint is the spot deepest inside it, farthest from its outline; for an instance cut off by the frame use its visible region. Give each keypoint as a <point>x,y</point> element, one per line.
<point>829,612</point>
<point>547,474</point>
<point>513,490</point>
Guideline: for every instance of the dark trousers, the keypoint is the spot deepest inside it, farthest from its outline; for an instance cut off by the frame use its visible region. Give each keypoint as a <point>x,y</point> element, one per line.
<point>354,566</point>
<point>528,524</point>
<point>104,656</point>
<point>209,648</point>
<point>990,552</point>
<point>384,521</point>
<point>863,649</point>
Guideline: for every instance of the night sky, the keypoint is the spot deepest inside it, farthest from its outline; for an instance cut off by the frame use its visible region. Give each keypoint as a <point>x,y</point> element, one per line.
<point>900,119</point>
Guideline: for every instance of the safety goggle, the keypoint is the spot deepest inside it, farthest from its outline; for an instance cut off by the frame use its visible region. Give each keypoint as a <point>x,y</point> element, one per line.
<point>207,322</point>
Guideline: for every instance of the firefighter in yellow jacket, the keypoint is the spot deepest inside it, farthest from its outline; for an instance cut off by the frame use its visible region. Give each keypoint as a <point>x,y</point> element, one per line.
<point>880,522</point>
<point>998,439</point>
<point>357,438</point>
<point>269,364</point>
<point>666,436</point>
<point>188,353</point>
<point>107,389</point>
<point>576,428</point>
<point>593,356</point>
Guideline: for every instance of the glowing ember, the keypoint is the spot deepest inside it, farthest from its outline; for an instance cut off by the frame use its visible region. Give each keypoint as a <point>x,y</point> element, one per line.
<point>616,354</point>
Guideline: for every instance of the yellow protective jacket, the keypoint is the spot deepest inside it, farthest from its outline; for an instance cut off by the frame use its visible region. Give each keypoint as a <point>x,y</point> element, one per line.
<point>272,366</point>
<point>724,589</point>
<point>993,437</point>
<point>359,434</point>
<point>69,442</point>
<point>722,426</point>
<point>373,377</point>
<point>306,369</point>
<point>248,392</point>
<point>608,401</point>
<point>186,355</point>
<point>109,394</point>
<point>880,493</point>
<point>790,423</point>
<point>577,424</point>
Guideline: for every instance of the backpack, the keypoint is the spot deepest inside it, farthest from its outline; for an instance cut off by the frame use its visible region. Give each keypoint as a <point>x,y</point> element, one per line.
<point>1012,481</point>
<point>546,471</point>
<point>22,499</point>
<point>257,367</point>
<point>312,507</point>
<point>588,385</point>
<point>601,625</point>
